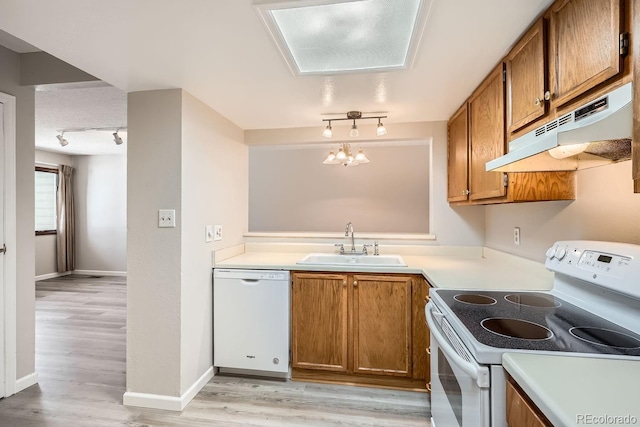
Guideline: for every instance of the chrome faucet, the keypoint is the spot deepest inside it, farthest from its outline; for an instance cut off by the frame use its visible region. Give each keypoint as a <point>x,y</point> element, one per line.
<point>346,234</point>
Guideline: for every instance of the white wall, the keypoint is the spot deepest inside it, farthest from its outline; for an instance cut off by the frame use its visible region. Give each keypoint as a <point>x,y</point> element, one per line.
<point>214,191</point>
<point>45,249</point>
<point>605,209</point>
<point>154,122</point>
<point>291,190</point>
<point>25,209</point>
<point>184,156</point>
<point>101,212</point>
<point>451,225</point>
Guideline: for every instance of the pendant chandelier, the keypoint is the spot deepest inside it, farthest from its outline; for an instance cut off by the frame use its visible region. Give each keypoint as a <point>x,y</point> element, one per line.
<point>345,157</point>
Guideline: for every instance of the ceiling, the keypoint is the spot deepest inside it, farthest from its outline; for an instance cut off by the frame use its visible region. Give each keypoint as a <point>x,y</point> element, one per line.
<point>220,52</point>
<point>62,107</point>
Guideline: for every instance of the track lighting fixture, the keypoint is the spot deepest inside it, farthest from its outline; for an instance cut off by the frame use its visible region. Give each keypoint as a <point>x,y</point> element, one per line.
<point>116,138</point>
<point>61,139</point>
<point>355,115</point>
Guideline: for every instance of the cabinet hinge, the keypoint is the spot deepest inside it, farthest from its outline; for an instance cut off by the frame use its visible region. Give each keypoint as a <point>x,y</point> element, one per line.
<point>624,44</point>
<point>505,180</point>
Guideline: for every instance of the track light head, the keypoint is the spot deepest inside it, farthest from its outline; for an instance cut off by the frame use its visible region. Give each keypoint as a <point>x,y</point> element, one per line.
<point>117,139</point>
<point>63,142</point>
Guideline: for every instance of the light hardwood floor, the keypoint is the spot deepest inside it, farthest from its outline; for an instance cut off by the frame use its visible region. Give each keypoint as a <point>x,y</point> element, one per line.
<point>80,359</point>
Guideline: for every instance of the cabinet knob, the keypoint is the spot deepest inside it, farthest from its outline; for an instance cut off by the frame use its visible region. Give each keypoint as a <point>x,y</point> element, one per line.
<point>537,101</point>
<point>344,283</point>
<point>355,283</point>
<point>465,192</point>
<point>429,387</point>
<point>547,95</point>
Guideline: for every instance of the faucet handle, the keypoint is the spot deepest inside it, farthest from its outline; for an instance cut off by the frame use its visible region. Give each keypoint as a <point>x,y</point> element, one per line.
<point>341,246</point>
<point>364,249</point>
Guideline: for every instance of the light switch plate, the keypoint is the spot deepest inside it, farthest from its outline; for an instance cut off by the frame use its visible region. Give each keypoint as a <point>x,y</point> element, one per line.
<point>208,233</point>
<point>166,218</point>
<point>217,232</point>
<point>516,235</point>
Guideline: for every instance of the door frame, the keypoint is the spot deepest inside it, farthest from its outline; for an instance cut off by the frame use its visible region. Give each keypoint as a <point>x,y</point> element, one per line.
<point>8,309</point>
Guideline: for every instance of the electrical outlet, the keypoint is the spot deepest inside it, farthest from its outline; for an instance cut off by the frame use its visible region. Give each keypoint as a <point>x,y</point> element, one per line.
<point>516,235</point>
<point>166,218</point>
<point>208,233</point>
<point>217,232</point>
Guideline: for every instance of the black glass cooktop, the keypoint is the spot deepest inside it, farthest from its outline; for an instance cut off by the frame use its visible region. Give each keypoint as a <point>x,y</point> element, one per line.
<point>537,321</point>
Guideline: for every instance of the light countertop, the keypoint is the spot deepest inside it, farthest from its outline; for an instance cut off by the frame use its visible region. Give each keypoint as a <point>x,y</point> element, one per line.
<point>464,269</point>
<point>575,391</point>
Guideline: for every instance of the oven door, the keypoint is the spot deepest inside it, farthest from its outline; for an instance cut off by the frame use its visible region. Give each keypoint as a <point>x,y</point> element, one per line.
<point>459,385</point>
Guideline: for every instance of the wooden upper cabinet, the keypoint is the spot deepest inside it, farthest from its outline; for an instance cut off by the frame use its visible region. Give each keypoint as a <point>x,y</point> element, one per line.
<point>487,136</point>
<point>382,325</point>
<point>527,78</point>
<point>583,46</point>
<point>319,322</point>
<point>458,156</point>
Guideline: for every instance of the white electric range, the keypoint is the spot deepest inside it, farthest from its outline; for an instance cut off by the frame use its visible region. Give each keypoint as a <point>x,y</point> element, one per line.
<point>593,310</point>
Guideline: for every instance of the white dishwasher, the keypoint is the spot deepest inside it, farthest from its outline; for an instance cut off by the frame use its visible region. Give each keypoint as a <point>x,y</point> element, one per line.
<point>251,320</point>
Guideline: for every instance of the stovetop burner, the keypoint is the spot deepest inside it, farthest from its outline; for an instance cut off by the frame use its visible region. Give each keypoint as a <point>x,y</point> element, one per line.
<point>475,299</point>
<point>516,328</point>
<point>533,300</point>
<point>606,337</point>
<point>536,321</point>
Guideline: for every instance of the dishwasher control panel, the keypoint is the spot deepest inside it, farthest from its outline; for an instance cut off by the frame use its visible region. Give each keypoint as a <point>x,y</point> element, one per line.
<point>251,274</point>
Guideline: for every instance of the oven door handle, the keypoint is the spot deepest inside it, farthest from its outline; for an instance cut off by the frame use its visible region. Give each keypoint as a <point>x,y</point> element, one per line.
<point>479,373</point>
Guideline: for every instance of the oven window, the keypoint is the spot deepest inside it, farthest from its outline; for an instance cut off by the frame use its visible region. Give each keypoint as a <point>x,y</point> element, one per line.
<point>450,385</point>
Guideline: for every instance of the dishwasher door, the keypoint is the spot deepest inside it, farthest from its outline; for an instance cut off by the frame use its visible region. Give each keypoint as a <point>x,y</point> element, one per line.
<point>251,319</point>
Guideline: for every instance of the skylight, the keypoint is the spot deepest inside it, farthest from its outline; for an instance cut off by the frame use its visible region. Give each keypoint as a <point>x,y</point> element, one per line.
<point>331,37</point>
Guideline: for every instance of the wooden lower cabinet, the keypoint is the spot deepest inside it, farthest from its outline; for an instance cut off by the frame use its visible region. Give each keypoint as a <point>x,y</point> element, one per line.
<point>382,325</point>
<point>521,412</point>
<point>360,329</point>
<point>319,322</point>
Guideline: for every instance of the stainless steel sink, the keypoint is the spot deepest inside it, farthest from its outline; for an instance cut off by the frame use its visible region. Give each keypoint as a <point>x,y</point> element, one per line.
<point>353,260</point>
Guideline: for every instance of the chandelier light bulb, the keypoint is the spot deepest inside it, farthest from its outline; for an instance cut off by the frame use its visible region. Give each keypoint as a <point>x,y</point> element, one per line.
<point>341,156</point>
<point>331,159</point>
<point>360,157</point>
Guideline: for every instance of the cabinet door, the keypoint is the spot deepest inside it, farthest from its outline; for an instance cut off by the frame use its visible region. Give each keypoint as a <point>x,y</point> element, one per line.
<point>520,412</point>
<point>382,325</point>
<point>319,321</point>
<point>584,46</point>
<point>526,78</point>
<point>420,339</point>
<point>486,136</point>
<point>458,156</point>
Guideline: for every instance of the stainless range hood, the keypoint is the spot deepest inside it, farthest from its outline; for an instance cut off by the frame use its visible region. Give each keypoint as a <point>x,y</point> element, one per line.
<point>596,134</point>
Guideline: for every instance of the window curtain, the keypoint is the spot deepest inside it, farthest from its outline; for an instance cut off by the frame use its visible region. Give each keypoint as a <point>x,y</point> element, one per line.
<point>65,220</point>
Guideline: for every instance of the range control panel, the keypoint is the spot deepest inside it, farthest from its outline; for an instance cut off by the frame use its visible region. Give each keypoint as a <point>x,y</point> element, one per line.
<point>608,264</point>
<point>604,263</point>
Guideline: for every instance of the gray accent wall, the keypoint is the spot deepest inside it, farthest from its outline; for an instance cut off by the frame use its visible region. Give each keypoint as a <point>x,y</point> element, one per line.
<point>291,190</point>
<point>25,158</point>
<point>605,209</point>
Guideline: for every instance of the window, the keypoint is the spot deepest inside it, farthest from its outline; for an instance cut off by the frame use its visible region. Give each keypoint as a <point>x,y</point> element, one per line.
<point>46,187</point>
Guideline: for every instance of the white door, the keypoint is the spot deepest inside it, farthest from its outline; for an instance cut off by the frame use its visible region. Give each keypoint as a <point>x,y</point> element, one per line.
<point>2,290</point>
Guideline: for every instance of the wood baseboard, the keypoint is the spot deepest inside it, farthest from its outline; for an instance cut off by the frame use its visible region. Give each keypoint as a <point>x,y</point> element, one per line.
<point>393,383</point>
